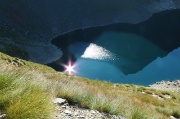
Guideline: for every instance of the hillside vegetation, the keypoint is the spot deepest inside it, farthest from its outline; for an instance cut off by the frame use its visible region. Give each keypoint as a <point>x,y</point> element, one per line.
<point>27,90</point>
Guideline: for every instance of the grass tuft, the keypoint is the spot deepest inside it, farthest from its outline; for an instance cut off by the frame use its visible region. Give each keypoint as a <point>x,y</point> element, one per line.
<point>176,113</point>
<point>20,99</point>
<point>139,114</point>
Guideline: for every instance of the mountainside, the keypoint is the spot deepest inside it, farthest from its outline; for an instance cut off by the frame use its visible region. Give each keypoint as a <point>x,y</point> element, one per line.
<point>29,26</point>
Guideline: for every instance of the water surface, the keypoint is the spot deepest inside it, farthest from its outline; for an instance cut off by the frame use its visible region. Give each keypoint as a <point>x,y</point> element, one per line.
<point>108,62</point>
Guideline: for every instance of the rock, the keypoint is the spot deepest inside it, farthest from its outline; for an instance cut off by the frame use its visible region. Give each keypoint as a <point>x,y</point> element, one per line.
<point>81,116</point>
<point>172,117</point>
<point>167,85</point>
<point>59,101</point>
<point>2,116</point>
<point>67,112</point>
<point>76,113</point>
<point>63,106</point>
<point>92,111</point>
<point>156,96</point>
<point>167,96</point>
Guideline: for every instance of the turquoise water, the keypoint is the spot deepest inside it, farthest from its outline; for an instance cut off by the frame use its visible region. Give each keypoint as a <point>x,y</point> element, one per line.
<point>135,60</point>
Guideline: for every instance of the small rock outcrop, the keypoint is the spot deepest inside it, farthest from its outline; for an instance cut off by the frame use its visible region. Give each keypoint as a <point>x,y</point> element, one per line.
<point>2,116</point>
<point>67,111</point>
<point>59,101</point>
<point>167,85</point>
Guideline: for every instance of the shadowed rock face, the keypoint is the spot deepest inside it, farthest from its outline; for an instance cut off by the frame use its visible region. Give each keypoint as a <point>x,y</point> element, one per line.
<point>30,25</point>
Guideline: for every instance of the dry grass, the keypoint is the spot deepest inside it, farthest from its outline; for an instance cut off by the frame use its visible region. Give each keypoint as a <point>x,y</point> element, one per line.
<point>21,99</point>
<point>125,100</point>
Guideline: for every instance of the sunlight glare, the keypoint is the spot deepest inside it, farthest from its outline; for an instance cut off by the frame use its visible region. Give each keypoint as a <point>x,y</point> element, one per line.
<point>69,68</point>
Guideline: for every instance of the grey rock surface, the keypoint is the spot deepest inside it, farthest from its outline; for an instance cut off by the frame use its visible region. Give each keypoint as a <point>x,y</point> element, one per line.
<point>59,101</point>
<point>167,85</point>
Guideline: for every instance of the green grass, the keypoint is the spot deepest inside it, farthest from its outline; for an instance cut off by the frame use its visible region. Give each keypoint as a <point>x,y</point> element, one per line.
<point>176,113</point>
<point>139,114</point>
<point>26,90</point>
<point>20,99</point>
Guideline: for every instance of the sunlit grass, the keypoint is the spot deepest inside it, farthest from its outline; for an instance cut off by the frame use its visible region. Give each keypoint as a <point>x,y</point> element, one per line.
<point>20,99</point>
<point>26,91</point>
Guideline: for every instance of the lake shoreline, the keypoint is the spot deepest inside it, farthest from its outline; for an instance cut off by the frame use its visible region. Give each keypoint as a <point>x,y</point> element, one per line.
<point>166,85</point>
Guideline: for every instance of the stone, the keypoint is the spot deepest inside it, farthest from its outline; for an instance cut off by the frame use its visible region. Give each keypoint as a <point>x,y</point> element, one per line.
<point>93,112</point>
<point>174,84</point>
<point>156,96</point>
<point>59,101</point>
<point>67,112</point>
<point>81,116</point>
<point>75,112</point>
<point>167,96</point>
<point>172,117</point>
<point>2,116</point>
<point>63,106</point>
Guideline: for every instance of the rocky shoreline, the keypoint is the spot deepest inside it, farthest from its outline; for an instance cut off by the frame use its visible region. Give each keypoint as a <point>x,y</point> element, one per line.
<point>167,85</point>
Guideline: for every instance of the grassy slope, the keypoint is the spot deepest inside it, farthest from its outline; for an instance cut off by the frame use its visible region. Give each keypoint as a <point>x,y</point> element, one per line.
<point>26,90</point>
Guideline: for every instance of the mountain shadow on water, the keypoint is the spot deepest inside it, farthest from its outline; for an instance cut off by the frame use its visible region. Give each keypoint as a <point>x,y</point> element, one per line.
<point>162,30</point>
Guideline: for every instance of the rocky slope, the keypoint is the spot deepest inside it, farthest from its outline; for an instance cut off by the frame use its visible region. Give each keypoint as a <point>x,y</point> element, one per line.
<point>67,111</point>
<point>167,85</point>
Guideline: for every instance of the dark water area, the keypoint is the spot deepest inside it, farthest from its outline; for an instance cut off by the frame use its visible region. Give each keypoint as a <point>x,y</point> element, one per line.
<point>125,53</point>
<point>166,68</point>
